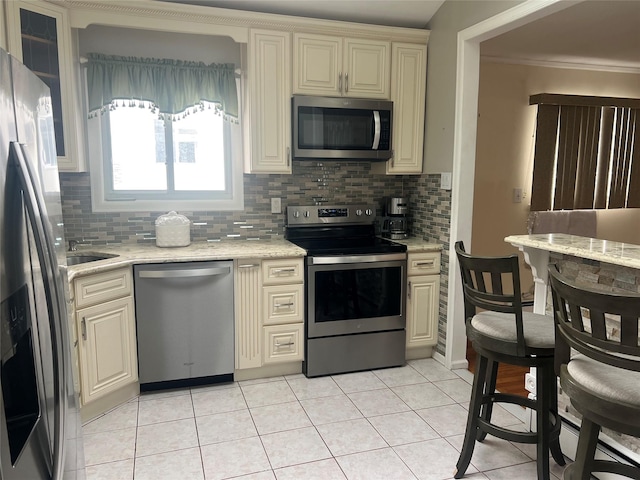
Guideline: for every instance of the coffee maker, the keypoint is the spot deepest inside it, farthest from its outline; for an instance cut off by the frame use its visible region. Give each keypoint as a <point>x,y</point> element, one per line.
<point>395,224</point>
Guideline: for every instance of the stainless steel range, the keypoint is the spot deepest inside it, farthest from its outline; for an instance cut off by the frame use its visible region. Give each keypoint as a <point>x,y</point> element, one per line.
<point>355,288</point>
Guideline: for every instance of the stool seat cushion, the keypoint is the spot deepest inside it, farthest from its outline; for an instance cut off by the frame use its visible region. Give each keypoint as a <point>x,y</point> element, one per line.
<point>539,330</point>
<point>617,385</point>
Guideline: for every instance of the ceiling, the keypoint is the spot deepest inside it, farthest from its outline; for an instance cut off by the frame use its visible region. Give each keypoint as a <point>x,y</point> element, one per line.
<point>595,34</point>
<point>396,13</point>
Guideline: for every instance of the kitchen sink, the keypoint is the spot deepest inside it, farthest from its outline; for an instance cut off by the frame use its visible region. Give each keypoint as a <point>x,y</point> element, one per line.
<point>87,257</point>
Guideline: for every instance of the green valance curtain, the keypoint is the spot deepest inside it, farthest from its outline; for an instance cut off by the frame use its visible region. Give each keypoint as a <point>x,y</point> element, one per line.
<point>170,86</point>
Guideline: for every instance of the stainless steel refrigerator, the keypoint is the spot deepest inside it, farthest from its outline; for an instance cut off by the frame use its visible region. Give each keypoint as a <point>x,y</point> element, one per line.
<point>40,430</point>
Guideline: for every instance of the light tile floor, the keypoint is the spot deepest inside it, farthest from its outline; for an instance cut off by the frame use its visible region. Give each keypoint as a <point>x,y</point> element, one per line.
<point>391,424</point>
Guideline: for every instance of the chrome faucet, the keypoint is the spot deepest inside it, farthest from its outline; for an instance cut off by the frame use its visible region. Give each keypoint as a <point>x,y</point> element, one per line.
<point>73,245</point>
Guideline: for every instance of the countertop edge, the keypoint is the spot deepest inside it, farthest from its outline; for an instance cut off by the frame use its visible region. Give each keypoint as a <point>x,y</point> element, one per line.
<point>616,253</point>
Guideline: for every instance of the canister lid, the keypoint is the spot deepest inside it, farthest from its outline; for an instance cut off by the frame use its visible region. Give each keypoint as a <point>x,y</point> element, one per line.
<point>172,218</point>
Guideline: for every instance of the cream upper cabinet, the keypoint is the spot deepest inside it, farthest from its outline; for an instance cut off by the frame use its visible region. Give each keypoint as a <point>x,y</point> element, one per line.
<point>105,321</point>
<point>408,89</point>
<point>39,35</point>
<point>269,78</point>
<point>336,66</point>
<point>423,299</point>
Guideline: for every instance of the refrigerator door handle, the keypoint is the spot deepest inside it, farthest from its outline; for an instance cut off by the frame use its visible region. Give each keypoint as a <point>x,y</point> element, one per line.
<point>43,236</point>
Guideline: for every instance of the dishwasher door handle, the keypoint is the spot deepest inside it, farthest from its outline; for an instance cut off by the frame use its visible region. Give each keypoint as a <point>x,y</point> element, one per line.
<point>196,272</point>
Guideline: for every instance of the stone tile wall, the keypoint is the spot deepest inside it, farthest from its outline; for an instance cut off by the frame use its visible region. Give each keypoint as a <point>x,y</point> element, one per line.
<point>311,183</point>
<point>431,211</point>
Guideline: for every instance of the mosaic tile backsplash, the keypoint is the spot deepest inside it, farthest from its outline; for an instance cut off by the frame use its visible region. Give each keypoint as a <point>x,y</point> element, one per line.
<point>312,182</point>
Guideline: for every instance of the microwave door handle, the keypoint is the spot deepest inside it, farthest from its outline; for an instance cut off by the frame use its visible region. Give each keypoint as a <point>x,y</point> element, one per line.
<point>376,130</point>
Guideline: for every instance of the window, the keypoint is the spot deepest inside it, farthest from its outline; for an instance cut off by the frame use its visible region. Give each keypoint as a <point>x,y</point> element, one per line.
<point>184,154</point>
<point>155,158</point>
<point>587,153</point>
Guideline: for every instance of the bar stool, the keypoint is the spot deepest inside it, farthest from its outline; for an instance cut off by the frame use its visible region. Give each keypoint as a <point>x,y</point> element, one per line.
<point>501,332</point>
<point>603,378</point>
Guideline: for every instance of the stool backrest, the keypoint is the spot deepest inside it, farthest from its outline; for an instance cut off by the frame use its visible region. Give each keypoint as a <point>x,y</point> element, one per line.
<point>492,283</point>
<point>601,325</point>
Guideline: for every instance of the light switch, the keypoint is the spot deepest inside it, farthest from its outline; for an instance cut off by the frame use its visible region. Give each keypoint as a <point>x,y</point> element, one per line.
<point>276,205</point>
<point>445,180</point>
<point>517,195</point>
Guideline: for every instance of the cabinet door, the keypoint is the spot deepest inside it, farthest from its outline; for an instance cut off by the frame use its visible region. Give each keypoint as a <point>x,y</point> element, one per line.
<point>270,92</point>
<point>423,296</point>
<point>317,64</point>
<point>108,358</point>
<point>366,68</point>
<point>408,86</point>
<point>39,35</point>
<point>248,311</point>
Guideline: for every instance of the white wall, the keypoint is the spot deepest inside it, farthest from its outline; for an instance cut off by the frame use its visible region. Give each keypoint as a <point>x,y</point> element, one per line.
<point>154,44</point>
<point>504,149</point>
<point>451,18</point>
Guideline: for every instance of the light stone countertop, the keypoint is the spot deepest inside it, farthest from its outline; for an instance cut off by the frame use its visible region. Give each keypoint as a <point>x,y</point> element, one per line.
<point>415,244</point>
<point>616,253</point>
<point>129,254</point>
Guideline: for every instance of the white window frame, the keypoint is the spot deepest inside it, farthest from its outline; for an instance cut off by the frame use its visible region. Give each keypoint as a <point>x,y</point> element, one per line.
<point>100,201</point>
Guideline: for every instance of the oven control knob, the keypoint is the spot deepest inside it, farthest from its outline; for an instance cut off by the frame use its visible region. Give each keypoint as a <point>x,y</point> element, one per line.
<point>369,212</point>
<point>296,214</point>
<point>306,214</point>
<point>358,212</point>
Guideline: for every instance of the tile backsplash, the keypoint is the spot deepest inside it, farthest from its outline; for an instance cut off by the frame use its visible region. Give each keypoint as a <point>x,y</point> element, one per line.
<point>312,182</point>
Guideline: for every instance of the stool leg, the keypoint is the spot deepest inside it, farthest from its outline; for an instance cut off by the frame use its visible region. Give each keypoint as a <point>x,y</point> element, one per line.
<point>489,389</point>
<point>475,403</point>
<point>554,442</point>
<point>587,442</point>
<point>543,421</point>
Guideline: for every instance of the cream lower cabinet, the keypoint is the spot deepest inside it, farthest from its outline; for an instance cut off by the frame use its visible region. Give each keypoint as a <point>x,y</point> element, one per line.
<point>105,322</point>
<point>423,299</point>
<point>269,313</point>
<point>247,277</point>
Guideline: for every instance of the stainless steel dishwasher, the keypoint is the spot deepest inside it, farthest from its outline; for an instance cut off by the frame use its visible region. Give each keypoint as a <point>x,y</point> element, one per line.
<point>184,316</point>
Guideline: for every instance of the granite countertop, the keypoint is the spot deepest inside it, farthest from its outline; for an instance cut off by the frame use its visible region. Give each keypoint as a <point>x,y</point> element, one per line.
<point>415,244</point>
<point>129,254</point>
<point>617,253</point>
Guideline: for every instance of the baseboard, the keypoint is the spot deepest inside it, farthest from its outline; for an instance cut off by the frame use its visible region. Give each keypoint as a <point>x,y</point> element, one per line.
<point>607,449</point>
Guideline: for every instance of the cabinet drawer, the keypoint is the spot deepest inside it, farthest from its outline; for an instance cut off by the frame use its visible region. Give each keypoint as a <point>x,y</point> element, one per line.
<point>283,304</point>
<point>102,287</point>
<point>285,270</point>
<point>283,343</point>
<point>424,263</point>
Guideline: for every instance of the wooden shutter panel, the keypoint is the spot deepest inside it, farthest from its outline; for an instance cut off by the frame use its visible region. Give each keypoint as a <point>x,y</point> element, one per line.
<point>587,158</point>
<point>634,184</point>
<point>544,157</point>
<point>621,157</point>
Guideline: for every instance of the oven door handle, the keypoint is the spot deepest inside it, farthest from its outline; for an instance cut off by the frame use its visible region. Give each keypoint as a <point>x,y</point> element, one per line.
<point>356,259</point>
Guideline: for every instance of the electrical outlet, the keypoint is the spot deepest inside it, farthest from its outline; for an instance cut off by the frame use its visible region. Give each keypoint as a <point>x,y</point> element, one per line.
<point>276,205</point>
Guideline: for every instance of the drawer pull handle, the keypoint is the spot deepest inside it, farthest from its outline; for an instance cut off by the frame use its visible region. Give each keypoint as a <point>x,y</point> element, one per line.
<point>249,265</point>
<point>84,328</point>
<point>288,344</point>
<point>282,305</point>
<point>278,271</point>
<point>422,264</point>
<point>409,290</point>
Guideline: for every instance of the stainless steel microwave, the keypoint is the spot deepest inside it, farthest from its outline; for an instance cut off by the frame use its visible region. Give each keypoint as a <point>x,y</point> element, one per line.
<point>333,128</point>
